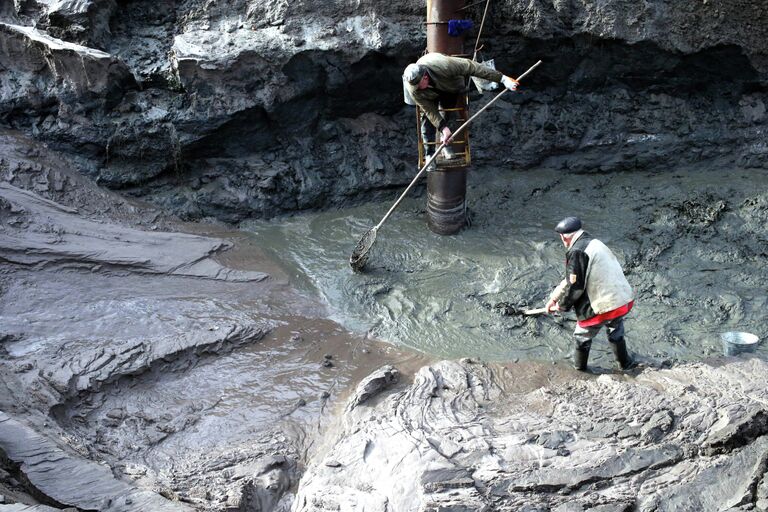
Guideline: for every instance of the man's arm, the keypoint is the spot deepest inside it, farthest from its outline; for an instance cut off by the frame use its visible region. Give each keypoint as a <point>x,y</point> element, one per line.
<point>480,71</point>
<point>475,69</point>
<point>556,296</point>
<point>430,109</point>
<point>433,114</point>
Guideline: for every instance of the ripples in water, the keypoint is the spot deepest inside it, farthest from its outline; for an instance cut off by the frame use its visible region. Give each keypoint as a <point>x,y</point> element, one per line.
<point>426,291</point>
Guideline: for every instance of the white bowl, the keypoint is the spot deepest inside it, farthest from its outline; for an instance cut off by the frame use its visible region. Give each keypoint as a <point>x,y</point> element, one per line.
<point>736,342</point>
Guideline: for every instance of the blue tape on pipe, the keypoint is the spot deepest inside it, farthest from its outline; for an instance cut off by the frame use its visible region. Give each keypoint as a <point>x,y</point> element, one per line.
<point>458,27</point>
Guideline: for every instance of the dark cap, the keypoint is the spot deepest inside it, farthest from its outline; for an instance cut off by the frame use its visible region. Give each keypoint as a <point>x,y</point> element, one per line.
<point>568,225</point>
<point>413,73</point>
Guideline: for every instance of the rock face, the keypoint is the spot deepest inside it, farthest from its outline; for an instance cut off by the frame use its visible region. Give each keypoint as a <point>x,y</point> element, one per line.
<point>468,436</point>
<point>258,108</point>
<point>50,234</point>
<point>72,479</point>
<point>41,60</point>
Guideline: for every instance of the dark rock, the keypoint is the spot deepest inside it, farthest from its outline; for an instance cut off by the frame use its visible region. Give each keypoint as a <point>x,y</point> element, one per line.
<point>740,429</point>
<point>658,426</point>
<point>377,382</point>
<point>25,367</point>
<point>554,440</point>
<point>69,479</point>
<point>445,457</point>
<point>117,414</point>
<point>154,97</point>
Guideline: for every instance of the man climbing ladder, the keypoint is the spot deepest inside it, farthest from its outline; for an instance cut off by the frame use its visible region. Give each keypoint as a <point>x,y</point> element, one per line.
<point>437,80</point>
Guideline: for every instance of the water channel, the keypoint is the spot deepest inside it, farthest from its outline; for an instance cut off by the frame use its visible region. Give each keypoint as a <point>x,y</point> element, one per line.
<point>687,247</point>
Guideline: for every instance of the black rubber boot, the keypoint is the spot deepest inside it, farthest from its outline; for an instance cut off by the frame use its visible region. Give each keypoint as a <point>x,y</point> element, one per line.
<point>580,357</point>
<point>622,356</point>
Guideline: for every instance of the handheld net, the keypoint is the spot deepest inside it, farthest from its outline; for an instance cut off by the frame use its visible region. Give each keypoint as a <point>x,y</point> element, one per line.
<point>360,254</point>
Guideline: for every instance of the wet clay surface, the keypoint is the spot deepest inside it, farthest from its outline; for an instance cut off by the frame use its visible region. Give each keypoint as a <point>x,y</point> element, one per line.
<point>251,369</point>
<point>188,430</point>
<point>692,243</point>
<point>467,435</point>
<point>187,362</point>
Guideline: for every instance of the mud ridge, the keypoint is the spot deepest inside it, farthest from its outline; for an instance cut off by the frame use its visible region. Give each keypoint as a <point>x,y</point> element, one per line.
<point>595,441</point>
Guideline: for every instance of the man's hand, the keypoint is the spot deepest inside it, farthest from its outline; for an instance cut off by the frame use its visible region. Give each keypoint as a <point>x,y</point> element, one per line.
<point>552,306</point>
<point>509,83</point>
<point>447,135</point>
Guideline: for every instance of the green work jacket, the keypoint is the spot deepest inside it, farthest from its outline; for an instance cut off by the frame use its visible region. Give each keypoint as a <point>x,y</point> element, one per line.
<point>447,74</point>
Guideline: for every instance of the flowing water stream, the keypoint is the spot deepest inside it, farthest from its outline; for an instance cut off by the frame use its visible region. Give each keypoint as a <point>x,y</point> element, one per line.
<point>437,293</point>
<point>422,290</point>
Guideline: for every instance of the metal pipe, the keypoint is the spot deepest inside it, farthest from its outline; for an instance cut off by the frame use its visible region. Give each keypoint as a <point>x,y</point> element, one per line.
<point>447,185</point>
<point>439,12</point>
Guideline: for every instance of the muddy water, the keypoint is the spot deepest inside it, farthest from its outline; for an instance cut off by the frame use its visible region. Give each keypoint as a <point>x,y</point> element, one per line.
<point>421,290</point>
<point>692,244</point>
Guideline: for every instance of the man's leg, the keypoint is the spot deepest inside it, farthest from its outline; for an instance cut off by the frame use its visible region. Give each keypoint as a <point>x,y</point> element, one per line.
<point>427,135</point>
<point>583,342</point>
<point>615,330</point>
<point>428,132</point>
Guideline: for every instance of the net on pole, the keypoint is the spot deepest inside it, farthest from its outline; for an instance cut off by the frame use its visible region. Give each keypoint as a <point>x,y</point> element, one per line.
<point>362,249</point>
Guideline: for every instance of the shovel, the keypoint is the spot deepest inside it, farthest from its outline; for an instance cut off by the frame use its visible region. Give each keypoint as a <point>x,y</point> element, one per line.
<point>557,316</point>
<point>360,254</point>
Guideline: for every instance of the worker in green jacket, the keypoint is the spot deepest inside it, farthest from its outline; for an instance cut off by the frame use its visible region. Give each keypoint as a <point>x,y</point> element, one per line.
<point>437,80</point>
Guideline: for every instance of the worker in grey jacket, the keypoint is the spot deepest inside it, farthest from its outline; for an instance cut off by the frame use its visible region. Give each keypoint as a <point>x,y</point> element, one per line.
<point>437,80</point>
<point>596,288</point>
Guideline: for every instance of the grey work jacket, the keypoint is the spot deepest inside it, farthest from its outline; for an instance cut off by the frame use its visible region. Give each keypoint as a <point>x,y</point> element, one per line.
<point>594,283</point>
